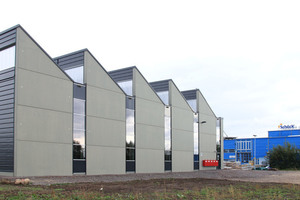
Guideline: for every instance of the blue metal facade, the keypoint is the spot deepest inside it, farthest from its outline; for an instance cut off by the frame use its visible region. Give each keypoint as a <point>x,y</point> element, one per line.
<point>246,149</point>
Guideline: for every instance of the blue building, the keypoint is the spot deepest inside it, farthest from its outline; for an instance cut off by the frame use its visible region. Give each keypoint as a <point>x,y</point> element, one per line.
<point>247,149</point>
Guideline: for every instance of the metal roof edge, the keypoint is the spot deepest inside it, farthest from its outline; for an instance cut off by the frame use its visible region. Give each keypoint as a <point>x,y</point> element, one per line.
<point>10,29</point>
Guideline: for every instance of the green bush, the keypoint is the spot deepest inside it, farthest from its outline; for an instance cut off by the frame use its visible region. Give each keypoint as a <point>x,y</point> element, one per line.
<point>285,157</point>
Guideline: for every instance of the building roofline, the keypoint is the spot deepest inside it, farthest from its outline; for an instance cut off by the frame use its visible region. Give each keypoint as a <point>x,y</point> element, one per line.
<point>19,26</point>
<point>161,80</point>
<point>88,51</point>
<point>132,67</point>
<point>104,70</point>
<point>207,103</point>
<point>149,84</point>
<point>170,80</point>
<point>190,90</point>
<point>285,130</point>
<point>182,95</point>
<point>11,28</point>
<point>69,54</point>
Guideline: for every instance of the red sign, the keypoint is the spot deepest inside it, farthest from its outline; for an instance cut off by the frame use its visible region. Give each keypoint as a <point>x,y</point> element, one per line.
<point>210,163</point>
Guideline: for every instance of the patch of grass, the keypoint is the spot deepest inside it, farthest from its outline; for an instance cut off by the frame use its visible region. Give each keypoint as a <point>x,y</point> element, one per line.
<point>163,190</point>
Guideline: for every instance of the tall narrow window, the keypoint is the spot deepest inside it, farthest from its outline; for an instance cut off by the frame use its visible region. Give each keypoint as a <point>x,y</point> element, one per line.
<point>130,134</point>
<point>79,143</point>
<point>168,140</point>
<point>7,58</point>
<point>196,141</point>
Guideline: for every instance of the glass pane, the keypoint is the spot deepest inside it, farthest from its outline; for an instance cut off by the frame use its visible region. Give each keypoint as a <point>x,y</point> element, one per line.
<point>78,152</point>
<point>78,137</point>
<point>130,127</point>
<point>168,139</point>
<point>79,106</point>
<point>167,122</point>
<point>164,96</point>
<point>7,58</point>
<point>167,129</point>
<point>168,155</point>
<point>79,122</point>
<point>130,154</point>
<point>130,139</point>
<point>126,86</point>
<point>168,165</point>
<point>193,104</point>
<point>130,166</point>
<point>196,139</point>
<point>76,74</point>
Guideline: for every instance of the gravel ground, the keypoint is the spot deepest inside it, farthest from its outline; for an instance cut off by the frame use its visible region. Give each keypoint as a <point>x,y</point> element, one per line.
<point>235,175</point>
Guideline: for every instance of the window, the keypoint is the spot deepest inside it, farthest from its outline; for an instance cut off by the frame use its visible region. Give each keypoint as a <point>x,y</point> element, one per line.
<point>79,117</point>
<point>76,74</point>
<point>168,156</point>
<point>126,86</point>
<point>79,122</point>
<point>78,152</point>
<point>168,139</point>
<point>130,134</point>
<point>164,96</point>
<point>167,129</point>
<point>243,145</point>
<point>78,129</point>
<point>79,106</point>
<point>7,58</point>
<point>196,141</point>
<point>130,128</point>
<point>130,154</point>
<point>78,137</point>
<point>193,104</point>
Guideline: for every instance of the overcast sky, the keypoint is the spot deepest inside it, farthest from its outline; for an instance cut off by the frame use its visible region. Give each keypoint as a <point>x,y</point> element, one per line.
<point>244,56</point>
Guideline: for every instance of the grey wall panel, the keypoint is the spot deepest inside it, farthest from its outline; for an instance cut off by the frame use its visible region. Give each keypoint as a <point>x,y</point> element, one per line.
<point>30,56</point>
<point>43,110</point>
<point>207,139</point>
<point>105,115</point>
<point>122,74</point>
<point>95,75</point>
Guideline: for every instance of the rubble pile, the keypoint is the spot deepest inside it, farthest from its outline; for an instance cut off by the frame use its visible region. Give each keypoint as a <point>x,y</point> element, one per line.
<point>237,165</point>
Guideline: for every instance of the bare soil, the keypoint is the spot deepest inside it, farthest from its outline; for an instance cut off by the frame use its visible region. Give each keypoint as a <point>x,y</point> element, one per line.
<point>151,184</point>
<point>292,177</point>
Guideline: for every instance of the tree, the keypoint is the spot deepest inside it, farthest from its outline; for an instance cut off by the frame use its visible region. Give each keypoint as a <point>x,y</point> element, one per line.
<point>285,157</point>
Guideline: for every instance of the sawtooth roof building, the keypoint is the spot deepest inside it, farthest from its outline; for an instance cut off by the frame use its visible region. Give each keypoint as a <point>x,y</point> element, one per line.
<point>68,115</point>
